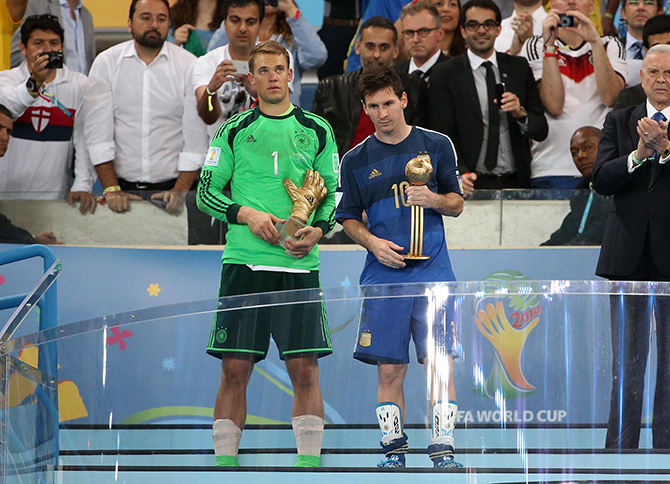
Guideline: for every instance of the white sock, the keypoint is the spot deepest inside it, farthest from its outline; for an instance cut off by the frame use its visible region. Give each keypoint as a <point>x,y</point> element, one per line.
<point>444,422</point>
<point>308,430</point>
<point>226,437</point>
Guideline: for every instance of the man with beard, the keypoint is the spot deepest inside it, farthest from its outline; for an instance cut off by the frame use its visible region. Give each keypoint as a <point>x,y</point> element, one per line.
<point>142,129</point>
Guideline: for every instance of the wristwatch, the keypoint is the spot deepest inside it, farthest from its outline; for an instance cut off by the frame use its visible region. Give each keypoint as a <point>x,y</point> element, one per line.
<point>524,115</point>
<point>666,152</point>
<point>31,85</point>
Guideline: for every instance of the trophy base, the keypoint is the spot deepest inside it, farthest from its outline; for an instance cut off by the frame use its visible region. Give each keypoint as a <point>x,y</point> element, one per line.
<point>416,257</point>
<point>288,229</point>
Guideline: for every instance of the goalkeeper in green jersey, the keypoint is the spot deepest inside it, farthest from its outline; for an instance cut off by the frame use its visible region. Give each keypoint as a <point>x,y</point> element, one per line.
<point>266,153</point>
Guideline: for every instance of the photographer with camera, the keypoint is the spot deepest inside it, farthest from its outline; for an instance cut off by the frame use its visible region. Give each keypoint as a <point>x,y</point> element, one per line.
<point>579,75</point>
<point>45,98</point>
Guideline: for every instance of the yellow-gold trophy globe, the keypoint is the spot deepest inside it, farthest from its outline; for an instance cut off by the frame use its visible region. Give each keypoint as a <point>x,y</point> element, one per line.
<point>419,171</point>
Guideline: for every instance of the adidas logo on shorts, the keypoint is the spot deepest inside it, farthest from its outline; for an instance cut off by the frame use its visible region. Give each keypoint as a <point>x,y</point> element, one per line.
<point>375,173</point>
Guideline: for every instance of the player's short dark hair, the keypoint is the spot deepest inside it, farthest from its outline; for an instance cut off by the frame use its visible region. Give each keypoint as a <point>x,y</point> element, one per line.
<point>659,3</point>
<point>485,4</point>
<point>414,8</point>
<point>44,22</point>
<point>377,78</point>
<point>660,24</point>
<point>268,47</point>
<point>243,3</point>
<point>133,7</point>
<point>382,23</point>
<point>4,111</point>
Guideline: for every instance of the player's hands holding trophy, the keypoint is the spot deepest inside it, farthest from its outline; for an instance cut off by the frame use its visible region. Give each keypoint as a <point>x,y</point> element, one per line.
<point>305,200</point>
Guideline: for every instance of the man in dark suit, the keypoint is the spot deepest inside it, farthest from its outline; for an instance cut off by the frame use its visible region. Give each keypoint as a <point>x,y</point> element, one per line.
<point>421,28</point>
<point>631,165</point>
<point>492,138</point>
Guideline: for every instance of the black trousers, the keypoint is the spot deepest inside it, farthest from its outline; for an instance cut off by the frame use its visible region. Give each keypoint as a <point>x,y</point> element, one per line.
<point>631,319</point>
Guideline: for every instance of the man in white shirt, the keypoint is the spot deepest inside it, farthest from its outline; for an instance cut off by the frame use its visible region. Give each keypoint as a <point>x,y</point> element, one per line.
<point>46,104</point>
<point>142,129</point>
<point>580,75</point>
<point>221,90</point>
<point>77,22</point>
<point>636,13</point>
<point>525,21</point>
<point>421,24</point>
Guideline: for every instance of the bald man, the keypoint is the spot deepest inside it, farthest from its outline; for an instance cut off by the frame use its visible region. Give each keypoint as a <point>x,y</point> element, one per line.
<point>585,224</point>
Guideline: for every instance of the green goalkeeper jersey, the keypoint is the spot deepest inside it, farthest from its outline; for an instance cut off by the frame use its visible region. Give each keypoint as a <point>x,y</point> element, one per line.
<point>256,152</point>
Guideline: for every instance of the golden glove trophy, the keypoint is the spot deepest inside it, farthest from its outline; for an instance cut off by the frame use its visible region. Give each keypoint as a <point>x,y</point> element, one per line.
<point>419,171</point>
<point>305,200</point>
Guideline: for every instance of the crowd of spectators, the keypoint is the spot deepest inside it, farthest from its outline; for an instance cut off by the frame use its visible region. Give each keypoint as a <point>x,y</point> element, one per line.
<point>510,93</point>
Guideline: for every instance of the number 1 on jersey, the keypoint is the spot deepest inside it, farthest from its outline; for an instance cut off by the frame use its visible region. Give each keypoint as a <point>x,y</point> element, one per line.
<point>275,155</point>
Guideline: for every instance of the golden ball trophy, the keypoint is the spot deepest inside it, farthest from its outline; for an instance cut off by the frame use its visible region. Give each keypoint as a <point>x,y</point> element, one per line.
<point>305,200</point>
<point>419,171</point>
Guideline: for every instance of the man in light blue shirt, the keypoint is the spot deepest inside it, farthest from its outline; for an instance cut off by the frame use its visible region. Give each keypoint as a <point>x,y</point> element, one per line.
<point>77,21</point>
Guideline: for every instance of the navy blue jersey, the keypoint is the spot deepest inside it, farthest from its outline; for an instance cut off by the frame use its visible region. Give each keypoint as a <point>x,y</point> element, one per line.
<point>373,180</point>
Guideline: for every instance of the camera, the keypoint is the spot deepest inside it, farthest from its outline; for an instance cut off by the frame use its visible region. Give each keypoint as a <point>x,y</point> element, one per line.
<point>55,59</point>
<point>566,20</point>
<point>272,3</point>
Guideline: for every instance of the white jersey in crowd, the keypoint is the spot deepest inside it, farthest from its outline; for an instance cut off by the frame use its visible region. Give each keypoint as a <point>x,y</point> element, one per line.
<point>144,117</point>
<point>504,40</point>
<point>583,105</point>
<point>47,130</point>
<point>232,96</point>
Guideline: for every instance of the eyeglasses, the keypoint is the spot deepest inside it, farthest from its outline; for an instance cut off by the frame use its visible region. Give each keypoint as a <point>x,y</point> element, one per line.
<point>44,16</point>
<point>423,32</point>
<point>473,25</point>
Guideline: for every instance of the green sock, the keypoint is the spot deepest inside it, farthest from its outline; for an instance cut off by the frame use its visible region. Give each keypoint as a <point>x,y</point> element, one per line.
<point>308,461</point>
<point>226,461</point>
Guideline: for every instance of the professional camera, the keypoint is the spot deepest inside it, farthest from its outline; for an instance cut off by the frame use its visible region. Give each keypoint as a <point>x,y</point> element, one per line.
<point>566,20</point>
<point>55,59</point>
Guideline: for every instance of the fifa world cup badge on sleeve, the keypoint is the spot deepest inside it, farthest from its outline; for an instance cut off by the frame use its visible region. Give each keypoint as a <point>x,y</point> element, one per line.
<point>213,155</point>
<point>305,200</point>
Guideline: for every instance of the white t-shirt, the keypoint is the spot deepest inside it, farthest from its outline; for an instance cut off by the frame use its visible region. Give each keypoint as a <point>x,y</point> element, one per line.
<point>583,106</point>
<point>232,96</point>
<point>504,40</point>
<point>39,160</point>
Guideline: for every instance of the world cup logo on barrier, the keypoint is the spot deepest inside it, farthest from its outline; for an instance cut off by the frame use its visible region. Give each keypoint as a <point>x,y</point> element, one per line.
<point>506,323</point>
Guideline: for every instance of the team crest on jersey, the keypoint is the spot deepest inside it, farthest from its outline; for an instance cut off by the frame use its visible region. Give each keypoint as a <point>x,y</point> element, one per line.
<point>301,141</point>
<point>40,118</point>
<point>366,339</point>
<point>213,155</point>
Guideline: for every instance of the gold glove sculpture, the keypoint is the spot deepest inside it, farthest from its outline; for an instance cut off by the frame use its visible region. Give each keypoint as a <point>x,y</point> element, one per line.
<point>305,200</point>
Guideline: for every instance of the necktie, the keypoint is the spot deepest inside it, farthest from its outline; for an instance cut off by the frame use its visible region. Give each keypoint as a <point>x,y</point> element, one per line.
<point>418,72</point>
<point>491,158</point>
<point>658,117</point>
<point>636,48</point>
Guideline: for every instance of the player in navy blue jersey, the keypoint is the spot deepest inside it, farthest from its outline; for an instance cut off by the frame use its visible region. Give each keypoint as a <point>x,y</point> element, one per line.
<point>373,181</point>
